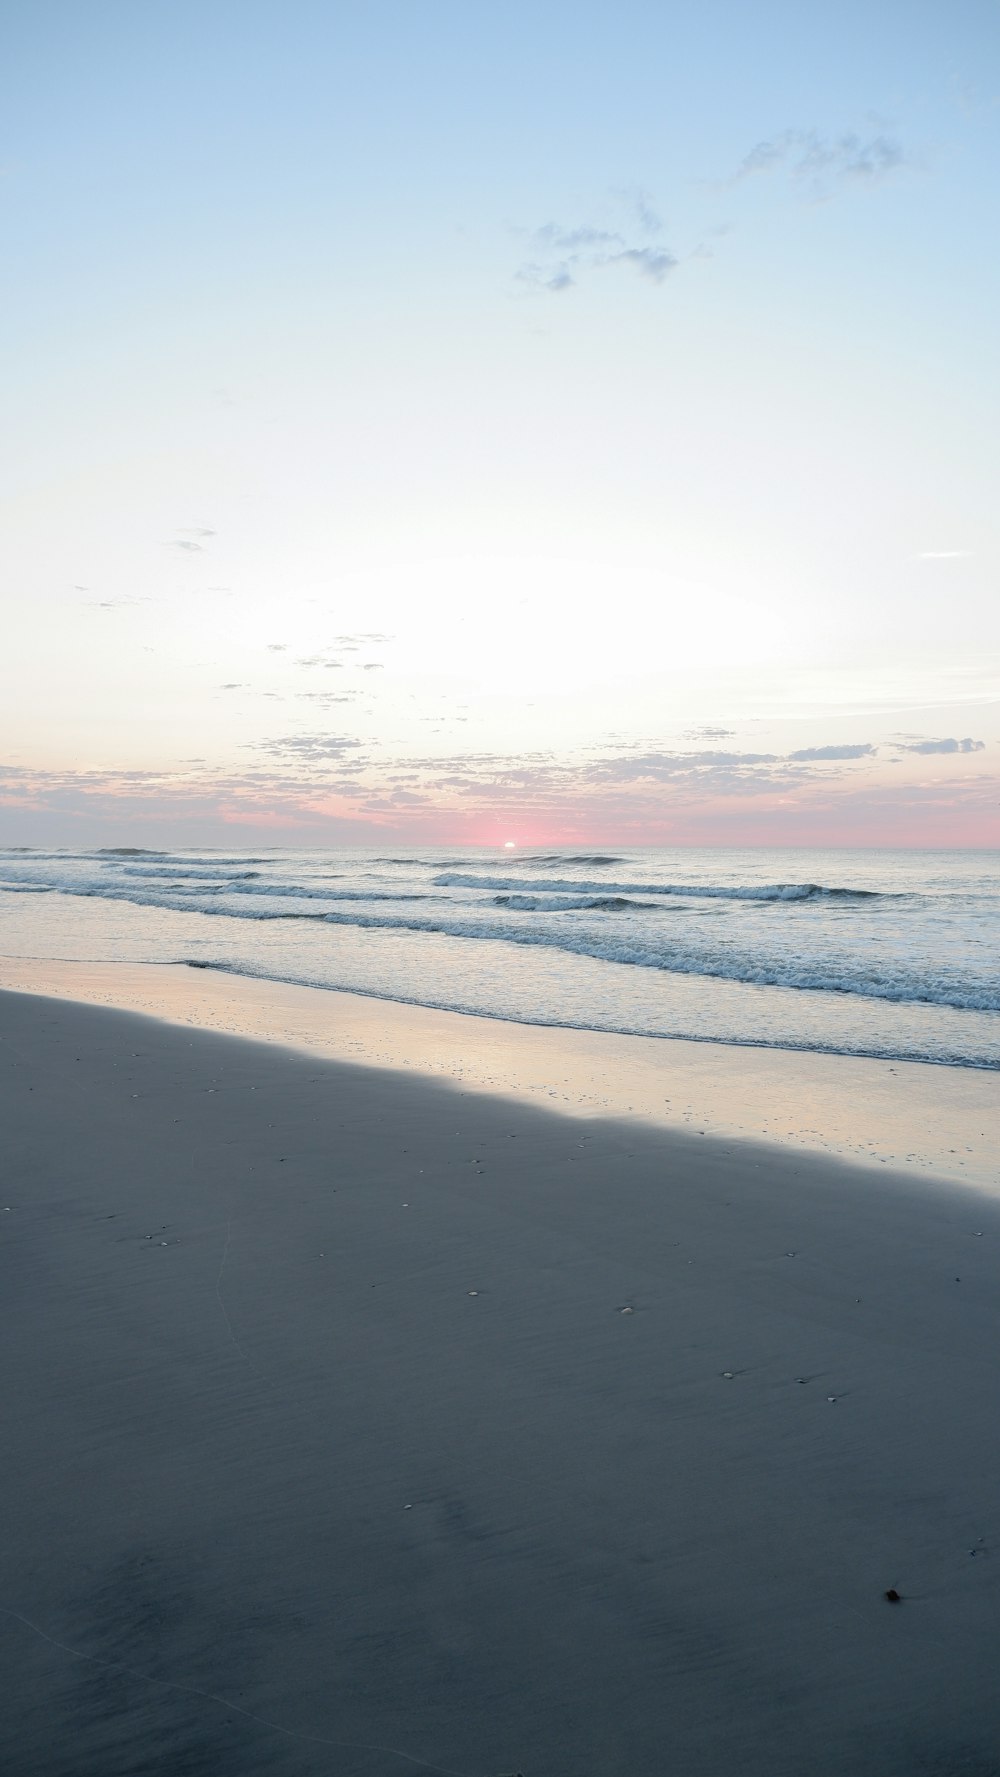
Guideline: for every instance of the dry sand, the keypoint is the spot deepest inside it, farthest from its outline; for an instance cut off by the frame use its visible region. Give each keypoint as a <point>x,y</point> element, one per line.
<point>358,1422</point>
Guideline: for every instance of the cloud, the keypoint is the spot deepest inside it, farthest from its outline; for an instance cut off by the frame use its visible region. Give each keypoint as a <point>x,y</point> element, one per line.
<point>542,277</point>
<point>308,746</point>
<point>323,699</point>
<point>569,239</point>
<point>946,746</point>
<point>185,543</point>
<point>710,734</point>
<point>817,162</point>
<point>396,799</point>
<point>232,686</point>
<point>640,206</point>
<point>114,604</point>
<point>654,794</point>
<point>852,752</point>
<point>706,773</point>
<point>654,263</point>
<point>277,647</point>
<point>197,530</point>
<point>561,256</point>
<point>350,644</point>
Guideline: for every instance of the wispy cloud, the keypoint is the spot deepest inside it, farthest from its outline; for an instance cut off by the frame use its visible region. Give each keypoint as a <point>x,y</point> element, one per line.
<point>191,538</point>
<point>658,794</point>
<point>553,278</point>
<point>945,746</point>
<point>654,263</point>
<point>559,257</point>
<point>323,699</point>
<point>552,238</point>
<point>308,747</point>
<point>815,163</point>
<point>115,604</point>
<point>807,754</point>
<point>330,661</point>
<point>639,204</point>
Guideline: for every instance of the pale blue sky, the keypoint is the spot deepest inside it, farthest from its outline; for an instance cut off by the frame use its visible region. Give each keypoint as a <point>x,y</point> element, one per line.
<point>627,371</point>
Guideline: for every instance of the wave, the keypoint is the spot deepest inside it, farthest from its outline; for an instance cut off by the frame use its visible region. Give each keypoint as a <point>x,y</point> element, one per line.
<point>164,872</point>
<point>893,1050</point>
<point>424,863</point>
<point>128,851</point>
<point>297,892</point>
<point>618,946</point>
<point>184,866</point>
<point>571,903</point>
<point>767,891</point>
<point>561,857</point>
<point>539,857</point>
<point>523,858</point>
<point>180,895</point>
<point>746,970</point>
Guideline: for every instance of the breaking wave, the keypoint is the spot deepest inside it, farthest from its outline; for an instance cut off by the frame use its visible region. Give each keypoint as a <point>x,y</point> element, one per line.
<point>753,945</point>
<point>571,903</point>
<point>887,980</point>
<point>171,873</point>
<point>768,891</point>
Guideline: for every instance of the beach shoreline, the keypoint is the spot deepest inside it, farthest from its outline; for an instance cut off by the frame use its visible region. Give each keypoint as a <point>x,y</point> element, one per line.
<point>363,1421</point>
<point>938,1121</point>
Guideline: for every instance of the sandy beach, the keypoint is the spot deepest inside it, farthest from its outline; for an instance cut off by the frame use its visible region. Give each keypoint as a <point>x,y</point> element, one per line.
<point>363,1421</point>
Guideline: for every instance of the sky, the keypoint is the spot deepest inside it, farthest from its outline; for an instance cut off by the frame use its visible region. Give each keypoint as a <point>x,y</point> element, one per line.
<point>501,422</point>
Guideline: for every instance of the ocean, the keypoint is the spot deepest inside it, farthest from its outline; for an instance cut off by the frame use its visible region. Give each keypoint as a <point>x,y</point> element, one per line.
<point>883,953</point>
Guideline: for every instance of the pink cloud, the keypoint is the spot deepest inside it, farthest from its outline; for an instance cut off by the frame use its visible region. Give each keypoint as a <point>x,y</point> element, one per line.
<point>316,794</point>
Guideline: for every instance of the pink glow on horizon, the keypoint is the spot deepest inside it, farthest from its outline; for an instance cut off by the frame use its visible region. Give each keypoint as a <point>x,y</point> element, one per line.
<point>550,804</point>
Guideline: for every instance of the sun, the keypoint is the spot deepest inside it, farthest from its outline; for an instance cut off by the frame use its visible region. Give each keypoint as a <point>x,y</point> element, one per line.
<point>510,845</point>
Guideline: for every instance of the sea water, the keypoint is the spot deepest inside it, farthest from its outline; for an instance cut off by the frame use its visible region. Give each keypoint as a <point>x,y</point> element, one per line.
<point>886,953</point>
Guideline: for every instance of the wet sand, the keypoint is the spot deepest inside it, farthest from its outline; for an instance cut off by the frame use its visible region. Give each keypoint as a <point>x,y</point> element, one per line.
<point>910,1115</point>
<point>363,1422</point>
